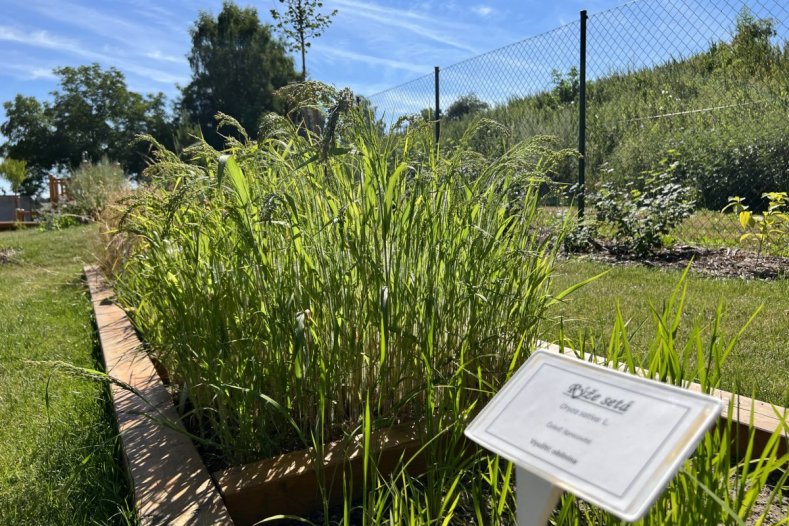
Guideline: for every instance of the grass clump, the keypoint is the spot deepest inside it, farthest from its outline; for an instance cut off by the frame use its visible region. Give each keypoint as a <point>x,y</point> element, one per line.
<point>288,282</point>
<point>94,186</point>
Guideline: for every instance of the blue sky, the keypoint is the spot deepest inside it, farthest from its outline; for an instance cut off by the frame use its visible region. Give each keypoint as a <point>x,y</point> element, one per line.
<point>369,47</point>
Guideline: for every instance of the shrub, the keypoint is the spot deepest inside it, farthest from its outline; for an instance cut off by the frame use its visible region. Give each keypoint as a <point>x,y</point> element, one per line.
<point>645,210</point>
<point>93,186</point>
<point>743,160</point>
<point>770,228</point>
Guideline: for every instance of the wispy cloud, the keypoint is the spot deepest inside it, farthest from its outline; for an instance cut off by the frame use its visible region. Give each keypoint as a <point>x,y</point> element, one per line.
<point>46,40</point>
<point>482,10</point>
<point>344,54</point>
<point>30,72</point>
<point>406,21</point>
<point>158,55</point>
<point>38,38</point>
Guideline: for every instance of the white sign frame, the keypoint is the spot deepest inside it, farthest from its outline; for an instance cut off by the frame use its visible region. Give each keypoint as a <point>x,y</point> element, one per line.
<point>583,467</point>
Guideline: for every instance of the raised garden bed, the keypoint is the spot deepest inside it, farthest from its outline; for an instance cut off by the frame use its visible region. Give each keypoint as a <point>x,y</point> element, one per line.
<point>170,481</point>
<point>172,485</point>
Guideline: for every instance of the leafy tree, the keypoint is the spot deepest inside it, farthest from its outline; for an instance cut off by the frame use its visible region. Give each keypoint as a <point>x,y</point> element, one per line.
<point>465,105</point>
<point>751,43</point>
<point>301,22</point>
<point>15,172</point>
<point>566,87</point>
<point>236,67</point>
<point>93,113</point>
<point>29,134</point>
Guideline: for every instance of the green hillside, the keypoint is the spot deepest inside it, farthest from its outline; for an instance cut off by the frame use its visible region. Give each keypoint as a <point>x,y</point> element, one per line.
<point>721,115</point>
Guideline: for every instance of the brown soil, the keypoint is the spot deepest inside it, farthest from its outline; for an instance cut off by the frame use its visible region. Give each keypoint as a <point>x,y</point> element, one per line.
<point>713,262</point>
<point>778,510</point>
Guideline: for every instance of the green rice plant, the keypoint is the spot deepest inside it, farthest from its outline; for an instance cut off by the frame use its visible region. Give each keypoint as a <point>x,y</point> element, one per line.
<point>285,281</point>
<point>304,288</point>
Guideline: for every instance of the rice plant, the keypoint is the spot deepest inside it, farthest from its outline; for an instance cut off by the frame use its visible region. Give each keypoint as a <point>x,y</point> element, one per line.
<point>286,280</point>
<point>305,287</point>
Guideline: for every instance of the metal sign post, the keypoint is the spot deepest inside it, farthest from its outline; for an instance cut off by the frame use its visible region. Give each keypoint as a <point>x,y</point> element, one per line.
<point>536,498</point>
<point>613,439</point>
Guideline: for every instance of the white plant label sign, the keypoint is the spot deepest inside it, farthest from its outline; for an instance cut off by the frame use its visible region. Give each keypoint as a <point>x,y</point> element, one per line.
<point>611,438</point>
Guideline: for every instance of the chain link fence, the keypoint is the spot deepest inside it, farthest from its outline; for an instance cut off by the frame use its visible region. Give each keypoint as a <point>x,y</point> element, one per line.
<point>694,88</point>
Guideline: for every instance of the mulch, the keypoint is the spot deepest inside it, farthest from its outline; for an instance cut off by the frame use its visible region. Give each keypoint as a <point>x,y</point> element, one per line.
<point>712,262</point>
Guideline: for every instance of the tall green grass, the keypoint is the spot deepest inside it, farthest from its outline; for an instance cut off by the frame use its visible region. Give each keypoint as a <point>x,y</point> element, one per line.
<point>303,288</point>
<point>286,282</point>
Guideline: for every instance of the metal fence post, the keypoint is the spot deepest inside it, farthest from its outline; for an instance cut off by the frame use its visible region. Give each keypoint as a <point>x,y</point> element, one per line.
<point>437,114</point>
<point>582,120</point>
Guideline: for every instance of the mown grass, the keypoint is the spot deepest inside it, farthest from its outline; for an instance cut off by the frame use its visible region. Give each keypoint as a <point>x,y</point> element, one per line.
<point>759,364</point>
<point>59,456</point>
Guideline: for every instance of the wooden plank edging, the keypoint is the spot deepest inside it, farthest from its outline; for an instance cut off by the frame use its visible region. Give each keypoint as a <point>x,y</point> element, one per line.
<point>172,485</point>
<point>765,416</point>
<point>170,482</point>
<point>289,485</point>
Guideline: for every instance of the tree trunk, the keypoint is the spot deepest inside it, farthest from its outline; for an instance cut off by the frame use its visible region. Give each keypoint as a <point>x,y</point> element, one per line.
<point>303,56</point>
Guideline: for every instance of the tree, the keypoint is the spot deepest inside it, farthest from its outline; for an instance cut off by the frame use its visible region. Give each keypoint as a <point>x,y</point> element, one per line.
<point>465,105</point>
<point>301,22</point>
<point>15,172</point>
<point>93,113</point>
<point>236,66</point>
<point>565,87</point>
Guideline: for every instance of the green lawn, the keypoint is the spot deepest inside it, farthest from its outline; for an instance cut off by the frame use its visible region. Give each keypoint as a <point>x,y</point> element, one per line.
<point>58,441</point>
<point>759,365</point>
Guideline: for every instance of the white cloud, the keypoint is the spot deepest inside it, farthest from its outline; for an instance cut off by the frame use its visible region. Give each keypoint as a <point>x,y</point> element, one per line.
<point>482,10</point>
<point>41,39</point>
<point>404,21</point>
<point>30,72</point>
<point>46,40</point>
<point>158,55</point>
<point>343,54</point>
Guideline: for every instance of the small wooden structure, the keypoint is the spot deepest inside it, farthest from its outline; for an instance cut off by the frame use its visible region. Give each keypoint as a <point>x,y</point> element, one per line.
<point>58,187</point>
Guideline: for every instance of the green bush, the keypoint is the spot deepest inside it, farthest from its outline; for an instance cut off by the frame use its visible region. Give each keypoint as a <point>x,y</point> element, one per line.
<point>643,211</point>
<point>745,160</point>
<point>93,186</point>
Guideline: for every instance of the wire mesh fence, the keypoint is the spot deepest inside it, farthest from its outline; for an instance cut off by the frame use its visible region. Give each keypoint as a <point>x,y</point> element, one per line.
<point>695,88</point>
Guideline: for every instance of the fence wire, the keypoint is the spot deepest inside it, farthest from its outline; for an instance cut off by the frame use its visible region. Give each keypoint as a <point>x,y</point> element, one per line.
<point>695,87</point>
